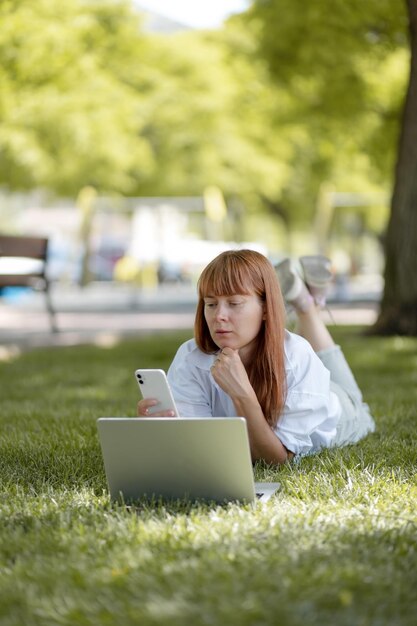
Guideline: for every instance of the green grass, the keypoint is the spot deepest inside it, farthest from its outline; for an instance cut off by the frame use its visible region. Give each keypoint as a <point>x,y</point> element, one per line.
<point>336,546</point>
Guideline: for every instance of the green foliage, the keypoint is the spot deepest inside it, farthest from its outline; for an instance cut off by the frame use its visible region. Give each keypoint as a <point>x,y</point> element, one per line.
<point>337,545</point>
<point>204,98</point>
<point>283,98</point>
<point>68,118</point>
<point>90,100</point>
<point>344,65</point>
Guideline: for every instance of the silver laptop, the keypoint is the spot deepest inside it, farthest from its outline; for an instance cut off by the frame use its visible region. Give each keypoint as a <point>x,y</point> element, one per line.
<point>179,458</point>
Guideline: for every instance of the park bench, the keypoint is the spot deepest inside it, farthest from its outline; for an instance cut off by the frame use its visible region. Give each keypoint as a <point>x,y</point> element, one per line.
<point>23,263</point>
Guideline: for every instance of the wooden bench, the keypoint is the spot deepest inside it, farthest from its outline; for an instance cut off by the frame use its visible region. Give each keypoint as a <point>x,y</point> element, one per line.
<point>28,268</point>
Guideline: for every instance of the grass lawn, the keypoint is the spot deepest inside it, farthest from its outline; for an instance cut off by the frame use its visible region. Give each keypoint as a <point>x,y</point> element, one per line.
<point>336,546</point>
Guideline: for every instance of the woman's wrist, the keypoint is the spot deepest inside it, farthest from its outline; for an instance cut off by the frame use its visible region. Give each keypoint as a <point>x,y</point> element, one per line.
<point>246,401</point>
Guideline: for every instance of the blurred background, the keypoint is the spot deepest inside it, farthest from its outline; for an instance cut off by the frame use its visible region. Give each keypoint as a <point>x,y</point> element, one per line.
<point>142,138</point>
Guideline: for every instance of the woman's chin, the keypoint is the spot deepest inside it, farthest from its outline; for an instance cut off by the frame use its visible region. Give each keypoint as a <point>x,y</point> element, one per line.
<point>228,344</point>
<point>224,343</point>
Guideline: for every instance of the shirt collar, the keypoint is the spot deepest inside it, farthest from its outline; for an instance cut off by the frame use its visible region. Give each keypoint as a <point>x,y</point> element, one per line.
<point>201,359</point>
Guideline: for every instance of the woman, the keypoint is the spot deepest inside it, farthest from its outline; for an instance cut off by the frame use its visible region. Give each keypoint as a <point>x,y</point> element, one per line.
<point>296,391</point>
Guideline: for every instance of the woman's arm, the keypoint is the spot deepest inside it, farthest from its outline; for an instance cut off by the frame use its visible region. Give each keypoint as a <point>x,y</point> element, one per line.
<point>264,443</point>
<point>230,374</point>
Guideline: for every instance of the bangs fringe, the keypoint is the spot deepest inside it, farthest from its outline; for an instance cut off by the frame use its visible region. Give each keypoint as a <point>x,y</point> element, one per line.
<point>226,278</point>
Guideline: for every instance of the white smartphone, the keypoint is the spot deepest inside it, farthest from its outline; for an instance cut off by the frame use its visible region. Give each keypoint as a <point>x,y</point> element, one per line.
<point>154,384</point>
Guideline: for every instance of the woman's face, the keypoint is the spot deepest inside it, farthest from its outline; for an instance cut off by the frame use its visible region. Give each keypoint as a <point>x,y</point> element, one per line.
<point>234,321</point>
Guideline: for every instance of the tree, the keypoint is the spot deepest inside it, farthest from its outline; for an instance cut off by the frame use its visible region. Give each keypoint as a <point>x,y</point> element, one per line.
<point>196,83</point>
<point>399,303</point>
<point>88,99</point>
<point>327,47</point>
<point>340,75</point>
<point>68,115</point>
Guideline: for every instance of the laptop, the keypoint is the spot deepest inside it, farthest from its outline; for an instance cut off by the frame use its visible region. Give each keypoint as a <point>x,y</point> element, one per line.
<point>180,458</point>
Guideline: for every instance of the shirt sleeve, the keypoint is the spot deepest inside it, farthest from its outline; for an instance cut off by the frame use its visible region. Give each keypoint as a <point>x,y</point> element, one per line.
<point>312,411</point>
<point>188,387</point>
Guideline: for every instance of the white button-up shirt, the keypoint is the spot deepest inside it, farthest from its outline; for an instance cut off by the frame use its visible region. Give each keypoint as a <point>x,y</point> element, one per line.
<point>311,412</point>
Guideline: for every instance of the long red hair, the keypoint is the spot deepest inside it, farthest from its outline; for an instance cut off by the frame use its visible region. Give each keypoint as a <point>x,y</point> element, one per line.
<point>245,272</point>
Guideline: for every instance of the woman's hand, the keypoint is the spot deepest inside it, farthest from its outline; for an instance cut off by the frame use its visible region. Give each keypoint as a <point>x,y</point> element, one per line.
<point>145,405</point>
<point>230,374</point>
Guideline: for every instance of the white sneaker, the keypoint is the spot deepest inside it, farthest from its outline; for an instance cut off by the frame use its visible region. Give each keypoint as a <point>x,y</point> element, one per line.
<point>293,288</point>
<point>317,276</point>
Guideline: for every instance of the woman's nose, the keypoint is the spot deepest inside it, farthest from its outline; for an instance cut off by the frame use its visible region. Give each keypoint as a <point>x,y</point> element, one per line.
<point>221,312</point>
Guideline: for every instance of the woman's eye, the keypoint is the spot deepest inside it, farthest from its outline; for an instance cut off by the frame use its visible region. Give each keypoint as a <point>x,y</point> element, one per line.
<point>210,305</point>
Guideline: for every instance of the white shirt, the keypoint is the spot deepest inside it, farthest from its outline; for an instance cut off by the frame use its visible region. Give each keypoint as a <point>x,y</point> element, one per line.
<point>311,412</point>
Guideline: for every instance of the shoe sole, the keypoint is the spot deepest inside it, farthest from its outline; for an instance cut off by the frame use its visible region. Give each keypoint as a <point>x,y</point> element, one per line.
<point>316,269</point>
<point>286,277</point>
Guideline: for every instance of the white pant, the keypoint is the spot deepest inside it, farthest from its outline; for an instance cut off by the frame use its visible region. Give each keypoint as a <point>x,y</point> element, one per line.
<point>356,420</point>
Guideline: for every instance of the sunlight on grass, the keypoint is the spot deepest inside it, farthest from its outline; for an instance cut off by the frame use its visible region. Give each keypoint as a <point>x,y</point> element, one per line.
<point>337,545</point>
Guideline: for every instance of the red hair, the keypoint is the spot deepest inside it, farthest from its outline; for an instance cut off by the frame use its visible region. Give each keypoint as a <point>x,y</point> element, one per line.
<point>245,272</point>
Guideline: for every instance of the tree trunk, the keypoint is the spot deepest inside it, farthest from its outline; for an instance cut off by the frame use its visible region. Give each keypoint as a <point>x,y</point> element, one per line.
<point>398,314</point>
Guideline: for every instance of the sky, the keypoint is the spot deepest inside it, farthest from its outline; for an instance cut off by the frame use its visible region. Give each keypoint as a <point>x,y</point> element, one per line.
<point>196,13</point>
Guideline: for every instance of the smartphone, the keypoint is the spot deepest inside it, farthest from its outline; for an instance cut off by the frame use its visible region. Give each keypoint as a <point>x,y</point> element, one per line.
<point>154,384</point>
